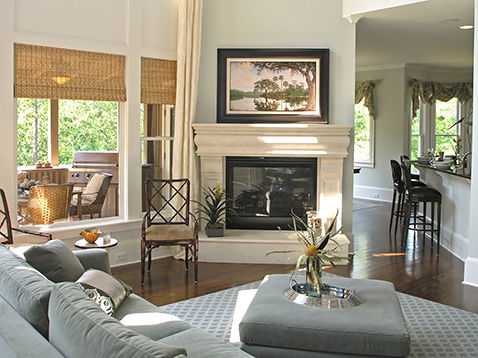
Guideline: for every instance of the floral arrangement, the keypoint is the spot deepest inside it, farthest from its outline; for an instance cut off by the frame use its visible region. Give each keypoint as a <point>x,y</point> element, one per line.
<point>315,253</point>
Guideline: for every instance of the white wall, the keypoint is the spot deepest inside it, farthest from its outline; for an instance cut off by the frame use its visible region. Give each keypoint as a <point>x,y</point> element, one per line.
<point>471,263</point>
<point>357,7</point>
<point>132,28</point>
<point>278,24</point>
<point>389,132</point>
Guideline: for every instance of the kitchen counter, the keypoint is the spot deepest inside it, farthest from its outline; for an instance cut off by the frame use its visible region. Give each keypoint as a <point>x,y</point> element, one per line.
<point>452,171</point>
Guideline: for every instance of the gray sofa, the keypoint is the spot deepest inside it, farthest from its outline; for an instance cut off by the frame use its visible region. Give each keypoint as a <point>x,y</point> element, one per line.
<point>42,319</point>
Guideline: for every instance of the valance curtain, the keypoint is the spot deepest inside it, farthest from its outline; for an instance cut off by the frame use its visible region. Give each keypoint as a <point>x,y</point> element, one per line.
<point>429,92</point>
<point>58,73</point>
<point>365,90</point>
<point>158,81</point>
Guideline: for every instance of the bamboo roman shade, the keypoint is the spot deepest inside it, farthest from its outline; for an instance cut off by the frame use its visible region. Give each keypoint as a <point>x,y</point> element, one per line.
<point>57,73</point>
<point>158,81</point>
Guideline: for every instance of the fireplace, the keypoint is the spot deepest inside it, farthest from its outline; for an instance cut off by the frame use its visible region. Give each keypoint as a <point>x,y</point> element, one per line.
<point>326,145</point>
<point>263,191</point>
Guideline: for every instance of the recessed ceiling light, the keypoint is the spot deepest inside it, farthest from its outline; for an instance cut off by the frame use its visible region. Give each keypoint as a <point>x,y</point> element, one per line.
<point>448,21</point>
<point>466,27</point>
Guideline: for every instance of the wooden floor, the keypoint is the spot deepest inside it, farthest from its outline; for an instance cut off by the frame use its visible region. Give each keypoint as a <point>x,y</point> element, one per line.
<point>418,272</point>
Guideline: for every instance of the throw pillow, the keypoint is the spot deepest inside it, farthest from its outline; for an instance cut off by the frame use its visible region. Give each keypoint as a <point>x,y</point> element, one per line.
<point>55,260</point>
<point>106,290</point>
<point>78,329</point>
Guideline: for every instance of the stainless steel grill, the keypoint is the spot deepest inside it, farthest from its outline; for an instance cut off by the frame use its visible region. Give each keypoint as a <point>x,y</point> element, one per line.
<point>86,164</point>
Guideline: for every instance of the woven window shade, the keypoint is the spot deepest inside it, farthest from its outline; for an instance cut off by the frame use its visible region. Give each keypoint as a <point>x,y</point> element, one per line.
<point>57,73</point>
<point>158,81</point>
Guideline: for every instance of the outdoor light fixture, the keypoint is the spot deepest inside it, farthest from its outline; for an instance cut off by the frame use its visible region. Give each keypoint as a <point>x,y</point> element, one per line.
<point>61,80</point>
<point>466,27</point>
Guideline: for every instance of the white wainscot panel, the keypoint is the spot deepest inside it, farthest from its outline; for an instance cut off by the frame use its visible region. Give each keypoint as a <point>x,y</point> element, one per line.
<point>103,20</point>
<point>159,26</point>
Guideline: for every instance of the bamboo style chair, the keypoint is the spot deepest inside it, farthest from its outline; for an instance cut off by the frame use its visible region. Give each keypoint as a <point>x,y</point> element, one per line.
<point>168,221</point>
<point>6,229</point>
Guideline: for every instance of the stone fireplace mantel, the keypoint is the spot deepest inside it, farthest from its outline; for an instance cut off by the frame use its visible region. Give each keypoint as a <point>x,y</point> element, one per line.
<point>328,143</point>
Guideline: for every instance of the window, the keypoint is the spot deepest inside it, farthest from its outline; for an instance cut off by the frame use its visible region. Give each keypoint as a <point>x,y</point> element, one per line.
<point>51,132</point>
<point>416,137</point>
<point>363,136</point>
<point>434,127</point>
<point>445,130</point>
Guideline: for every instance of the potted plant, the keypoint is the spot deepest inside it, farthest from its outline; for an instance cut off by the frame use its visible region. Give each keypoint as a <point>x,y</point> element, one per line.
<point>213,210</point>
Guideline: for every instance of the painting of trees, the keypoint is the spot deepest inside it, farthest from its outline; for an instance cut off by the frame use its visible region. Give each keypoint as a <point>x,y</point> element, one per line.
<point>306,69</point>
<point>272,85</point>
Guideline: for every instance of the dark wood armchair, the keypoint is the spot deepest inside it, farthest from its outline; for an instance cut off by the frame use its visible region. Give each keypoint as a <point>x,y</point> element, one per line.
<point>168,221</point>
<point>6,229</point>
<point>93,196</point>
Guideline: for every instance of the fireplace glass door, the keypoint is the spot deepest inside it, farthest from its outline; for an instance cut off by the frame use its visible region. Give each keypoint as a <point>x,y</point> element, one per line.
<point>264,191</point>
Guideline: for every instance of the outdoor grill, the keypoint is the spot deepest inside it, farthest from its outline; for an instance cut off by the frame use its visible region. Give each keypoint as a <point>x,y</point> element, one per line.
<point>86,164</point>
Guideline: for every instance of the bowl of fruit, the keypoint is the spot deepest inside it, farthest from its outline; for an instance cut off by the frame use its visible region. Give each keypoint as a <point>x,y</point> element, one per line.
<point>91,235</point>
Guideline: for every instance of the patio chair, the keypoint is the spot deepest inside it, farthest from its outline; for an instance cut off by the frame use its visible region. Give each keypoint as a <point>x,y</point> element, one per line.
<point>168,221</point>
<point>6,229</point>
<point>48,203</point>
<point>92,197</point>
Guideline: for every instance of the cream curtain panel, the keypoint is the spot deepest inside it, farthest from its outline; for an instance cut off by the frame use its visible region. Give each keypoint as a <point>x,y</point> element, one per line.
<point>158,81</point>
<point>189,46</point>
<point>429,92</point>
<point>365,90</point>
<point>57,73</point>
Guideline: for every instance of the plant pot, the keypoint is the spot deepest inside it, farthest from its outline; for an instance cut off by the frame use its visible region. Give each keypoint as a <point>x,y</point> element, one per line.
<point>214,232</point>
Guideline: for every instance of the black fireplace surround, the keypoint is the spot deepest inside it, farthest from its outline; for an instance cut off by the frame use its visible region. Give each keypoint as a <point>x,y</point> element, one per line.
<point>264,190</point>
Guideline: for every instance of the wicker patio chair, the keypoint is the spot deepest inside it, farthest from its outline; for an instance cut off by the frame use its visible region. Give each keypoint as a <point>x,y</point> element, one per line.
<point>48,203</point>
<point>168,221</point>
<point>6,229</point>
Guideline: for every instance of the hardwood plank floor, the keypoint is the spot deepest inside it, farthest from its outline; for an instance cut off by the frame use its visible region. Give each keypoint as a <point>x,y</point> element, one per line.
<point>418,272</point>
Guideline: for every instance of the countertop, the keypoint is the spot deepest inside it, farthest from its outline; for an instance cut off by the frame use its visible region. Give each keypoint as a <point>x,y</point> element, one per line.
<point>452,171</point>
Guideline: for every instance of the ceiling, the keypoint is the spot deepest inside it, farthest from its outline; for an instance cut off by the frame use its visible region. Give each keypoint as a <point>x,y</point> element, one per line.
<point>417,34</point>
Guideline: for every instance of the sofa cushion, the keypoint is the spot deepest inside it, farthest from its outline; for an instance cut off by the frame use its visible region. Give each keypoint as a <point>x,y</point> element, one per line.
<point>55,260</point>
<point>79,328</point>
<point>25,289</point>
<point>15,331</point>
<point>147,319</point>
<point>201,344</point>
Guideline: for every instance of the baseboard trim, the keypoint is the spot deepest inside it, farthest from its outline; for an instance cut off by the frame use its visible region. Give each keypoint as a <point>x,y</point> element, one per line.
<point>471,272</point>
<point>373,193</point>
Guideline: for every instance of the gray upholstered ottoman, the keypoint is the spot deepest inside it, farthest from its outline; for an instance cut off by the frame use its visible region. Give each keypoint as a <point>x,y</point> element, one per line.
<point>275,327</point>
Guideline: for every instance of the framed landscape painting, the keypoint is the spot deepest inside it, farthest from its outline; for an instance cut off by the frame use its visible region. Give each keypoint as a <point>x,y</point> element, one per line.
<point>272,85</point>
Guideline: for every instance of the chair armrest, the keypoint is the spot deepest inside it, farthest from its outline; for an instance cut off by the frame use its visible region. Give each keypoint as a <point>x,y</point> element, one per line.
<point>79,195</point>
<point>94,258</point>
<point>31,232</point>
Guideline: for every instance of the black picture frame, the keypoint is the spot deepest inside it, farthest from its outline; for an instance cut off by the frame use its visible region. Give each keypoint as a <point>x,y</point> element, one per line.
<point>228,61</point>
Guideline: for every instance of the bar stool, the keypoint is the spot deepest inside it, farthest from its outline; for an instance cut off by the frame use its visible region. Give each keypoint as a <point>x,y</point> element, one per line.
<point>398,188</point>
<point>414,195</point>
<point>405,159</point>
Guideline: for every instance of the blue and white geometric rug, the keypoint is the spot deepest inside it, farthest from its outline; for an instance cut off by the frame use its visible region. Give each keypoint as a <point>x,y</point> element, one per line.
<point>436,330</point>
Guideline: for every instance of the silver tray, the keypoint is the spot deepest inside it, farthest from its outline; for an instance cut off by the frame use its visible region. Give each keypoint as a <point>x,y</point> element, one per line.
<point>331,297</point>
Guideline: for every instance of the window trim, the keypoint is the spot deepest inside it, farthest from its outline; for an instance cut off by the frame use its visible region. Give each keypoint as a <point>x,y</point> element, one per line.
<point>427,117</point>
<point>371,162</point>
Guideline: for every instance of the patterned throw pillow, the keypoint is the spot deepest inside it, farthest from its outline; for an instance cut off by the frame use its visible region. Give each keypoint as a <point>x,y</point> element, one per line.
<point>105,303</point>
<point>106,290</point>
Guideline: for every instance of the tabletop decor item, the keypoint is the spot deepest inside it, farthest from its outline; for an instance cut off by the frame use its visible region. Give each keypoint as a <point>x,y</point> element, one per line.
<point>214,210</point>
<point>314,292</point>
<point>91,235</point>
<point>272,85</point>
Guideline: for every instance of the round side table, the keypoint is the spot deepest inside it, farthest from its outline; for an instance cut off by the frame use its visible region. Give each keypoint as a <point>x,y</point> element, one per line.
<point>98,244</point>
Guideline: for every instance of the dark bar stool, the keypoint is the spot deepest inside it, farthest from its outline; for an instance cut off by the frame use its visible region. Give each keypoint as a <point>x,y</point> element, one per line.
<point>405,159</point>
<point>414,195</point>
<point>398,188</point>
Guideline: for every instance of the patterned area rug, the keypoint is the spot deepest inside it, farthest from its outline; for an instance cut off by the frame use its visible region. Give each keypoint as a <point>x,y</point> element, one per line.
<point>436,330</point>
